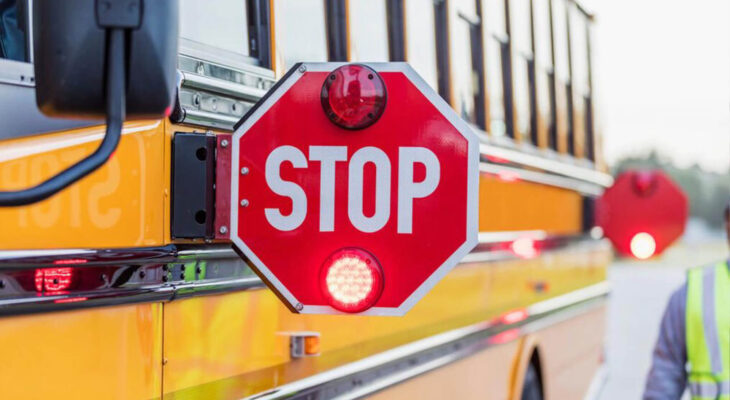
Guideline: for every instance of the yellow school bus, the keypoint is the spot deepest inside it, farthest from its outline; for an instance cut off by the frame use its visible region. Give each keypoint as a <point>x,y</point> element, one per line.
<point>106,291</point>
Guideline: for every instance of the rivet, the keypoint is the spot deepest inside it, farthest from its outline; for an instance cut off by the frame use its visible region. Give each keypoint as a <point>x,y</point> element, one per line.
<point>302,69</point>
<point>223,230</point>
<point>299,307</point>
<point>224,143</point>
<point>244,171</point>
<point>244,203</point>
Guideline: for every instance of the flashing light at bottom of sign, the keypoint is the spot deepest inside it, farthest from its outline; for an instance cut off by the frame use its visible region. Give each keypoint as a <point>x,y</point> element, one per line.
<point>643,245</point>
<point>351,280</point>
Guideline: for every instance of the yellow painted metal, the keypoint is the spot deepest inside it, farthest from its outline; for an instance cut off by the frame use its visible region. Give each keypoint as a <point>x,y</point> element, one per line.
<point>119,205</point>
<point>520,205</point>
<point>232,345</point>
<point>105,353</point>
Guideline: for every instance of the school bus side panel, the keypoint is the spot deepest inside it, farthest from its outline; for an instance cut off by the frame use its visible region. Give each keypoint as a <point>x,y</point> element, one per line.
<point>119,205</point>
<point>103,353</point>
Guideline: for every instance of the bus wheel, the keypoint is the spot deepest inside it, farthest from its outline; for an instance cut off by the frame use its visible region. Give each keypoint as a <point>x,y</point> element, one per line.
<point>531,389</point>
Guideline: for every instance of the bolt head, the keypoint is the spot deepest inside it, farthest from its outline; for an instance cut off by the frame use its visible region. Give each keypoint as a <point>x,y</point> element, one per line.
<point>223,229</point>
<point>244,203</point>
<point>302,69</point>
<point>224,143</point>
<point>244,171</point>
<point>299,307</point>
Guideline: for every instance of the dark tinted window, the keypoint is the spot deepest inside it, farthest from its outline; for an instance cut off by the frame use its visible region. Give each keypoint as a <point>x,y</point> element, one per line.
<point>12,30</point>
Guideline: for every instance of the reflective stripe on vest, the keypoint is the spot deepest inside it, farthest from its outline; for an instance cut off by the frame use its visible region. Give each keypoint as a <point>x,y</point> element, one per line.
<point>708,332</point>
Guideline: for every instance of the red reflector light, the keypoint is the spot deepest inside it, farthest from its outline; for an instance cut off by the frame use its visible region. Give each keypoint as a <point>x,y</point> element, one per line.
<point>643,245</point>
<point>353,96</point>
<point>351,280</point>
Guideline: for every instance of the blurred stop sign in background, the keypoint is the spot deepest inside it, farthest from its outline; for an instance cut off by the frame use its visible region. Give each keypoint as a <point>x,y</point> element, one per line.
<point>643,213</point>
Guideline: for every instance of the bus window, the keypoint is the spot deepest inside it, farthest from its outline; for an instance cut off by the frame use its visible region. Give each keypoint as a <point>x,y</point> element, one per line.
<point>465,78</point>
<point>495,49</point>
<point>197,19</point>
<point>12,32</point>
<point>368,28</point>
<point>579,77</point>
<point>521,39</point>
<point>563,95</point>
<point>560,33</point>
<point>544,74</point>
<point>421,39</point>
<point>300,33</point>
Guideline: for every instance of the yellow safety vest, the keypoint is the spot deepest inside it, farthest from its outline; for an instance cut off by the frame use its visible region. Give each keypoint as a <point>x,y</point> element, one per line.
<point>708,332</point>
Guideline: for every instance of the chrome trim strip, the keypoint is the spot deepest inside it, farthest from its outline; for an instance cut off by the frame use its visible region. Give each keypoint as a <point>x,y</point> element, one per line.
<point>509,236</point>
<point>208,119</point>
<point>210,54</point>
<point>17,73</point>
<point>221,86</point>
<point>455,345</point>
<point>160,274</point>
<point>550,179</point>
<point>545,164</point>
<point>179,253</point>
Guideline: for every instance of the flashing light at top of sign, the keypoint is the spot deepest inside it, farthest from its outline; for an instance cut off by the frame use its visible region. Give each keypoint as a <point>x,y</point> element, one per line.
<point>352,280</point>
<point>353,96</point>
<point>643,245</point>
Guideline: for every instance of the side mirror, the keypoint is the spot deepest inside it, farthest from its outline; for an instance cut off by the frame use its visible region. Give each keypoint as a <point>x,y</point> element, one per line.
<point>113,59</point>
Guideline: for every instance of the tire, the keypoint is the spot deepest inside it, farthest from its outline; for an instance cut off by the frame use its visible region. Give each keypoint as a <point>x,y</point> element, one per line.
<point>531,388</point>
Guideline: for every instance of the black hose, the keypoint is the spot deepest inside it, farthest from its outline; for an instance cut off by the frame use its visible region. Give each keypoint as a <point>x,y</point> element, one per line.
<point>115,113</point>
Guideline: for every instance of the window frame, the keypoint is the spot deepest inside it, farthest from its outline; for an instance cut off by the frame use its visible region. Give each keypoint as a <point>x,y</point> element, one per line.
<point>476,52</point>
<point>529,60</point>
<point>337,30</point>
<point>389,28</point>
<point>259,20</point>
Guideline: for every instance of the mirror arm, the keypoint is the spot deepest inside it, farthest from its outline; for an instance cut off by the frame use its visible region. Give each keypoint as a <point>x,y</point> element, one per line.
<point>115,114</point>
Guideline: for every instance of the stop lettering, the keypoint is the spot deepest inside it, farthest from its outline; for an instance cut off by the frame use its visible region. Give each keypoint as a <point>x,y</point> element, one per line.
<point>354,188</point>
<point>328,156</point>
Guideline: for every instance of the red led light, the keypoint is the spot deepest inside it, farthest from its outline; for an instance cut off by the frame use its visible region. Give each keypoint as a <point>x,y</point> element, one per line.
<point>70,261</point>
<point>351,280</point>
<point>508,176</point>
<point>53,279</point>
<point>524,247</point>
<point>644,182</point>
<point>70,300</point>
<point>643,245</point>
<point>353,96</point>
<point>513,317</point>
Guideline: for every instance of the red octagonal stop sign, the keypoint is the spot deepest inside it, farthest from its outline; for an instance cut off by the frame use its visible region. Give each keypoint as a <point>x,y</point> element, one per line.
<point>643,213</point>
<point>361,220</point>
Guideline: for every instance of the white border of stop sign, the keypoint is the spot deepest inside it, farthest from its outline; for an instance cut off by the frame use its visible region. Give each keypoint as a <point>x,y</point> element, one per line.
<point>472,210</point>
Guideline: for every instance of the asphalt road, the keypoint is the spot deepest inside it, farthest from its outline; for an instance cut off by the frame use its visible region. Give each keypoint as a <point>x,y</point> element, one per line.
<point>640,291</point>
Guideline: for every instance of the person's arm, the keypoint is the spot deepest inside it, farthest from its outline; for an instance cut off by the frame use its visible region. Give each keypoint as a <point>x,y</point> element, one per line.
<point>668,377</point>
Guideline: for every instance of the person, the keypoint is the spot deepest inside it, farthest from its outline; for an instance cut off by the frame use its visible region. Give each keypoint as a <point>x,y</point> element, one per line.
<point>693,347</point>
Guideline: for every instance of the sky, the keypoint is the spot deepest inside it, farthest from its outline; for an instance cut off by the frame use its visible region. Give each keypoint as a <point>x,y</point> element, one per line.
<point>662,77</point>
